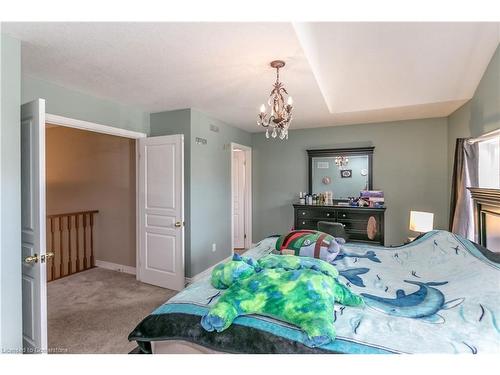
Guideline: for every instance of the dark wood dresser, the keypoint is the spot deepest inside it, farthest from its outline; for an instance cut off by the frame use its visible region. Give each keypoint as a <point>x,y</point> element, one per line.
<point>355,220</point>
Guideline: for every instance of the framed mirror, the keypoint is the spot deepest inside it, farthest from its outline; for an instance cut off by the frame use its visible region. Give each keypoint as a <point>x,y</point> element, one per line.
<point>343,171</point>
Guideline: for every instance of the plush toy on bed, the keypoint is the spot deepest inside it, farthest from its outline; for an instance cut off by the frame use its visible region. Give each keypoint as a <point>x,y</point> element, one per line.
<point>310,243</point>
<point>297,290</point>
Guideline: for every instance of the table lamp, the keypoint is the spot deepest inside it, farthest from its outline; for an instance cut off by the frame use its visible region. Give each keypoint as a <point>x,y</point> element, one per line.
<point>421,221</point>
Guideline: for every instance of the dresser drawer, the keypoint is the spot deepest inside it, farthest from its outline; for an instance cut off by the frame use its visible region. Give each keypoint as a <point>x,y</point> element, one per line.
<point>327,215</point>
<point>354,225</point>
<point>306,224</point>
<point>305,214</point>
<point>360,223</point>
<point>316,214</point>
<point>360,235</point>
<point>349,215</point>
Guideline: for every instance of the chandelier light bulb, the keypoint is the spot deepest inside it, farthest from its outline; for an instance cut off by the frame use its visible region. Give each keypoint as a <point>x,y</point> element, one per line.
<point>262,108</point>
<point>290,100</point>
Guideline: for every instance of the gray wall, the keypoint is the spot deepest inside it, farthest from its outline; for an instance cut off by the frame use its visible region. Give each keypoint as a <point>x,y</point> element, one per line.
<point>211,190</point>
<point>479,115</point>
<point>17,89</point>
<point>207,183</point>
<point>10,195</point>
<point>66,102</point>
<point>409,165</point>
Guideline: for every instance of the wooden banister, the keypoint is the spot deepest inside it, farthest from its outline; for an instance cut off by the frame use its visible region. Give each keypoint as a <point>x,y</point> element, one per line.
<point>72,214</point>
<point>70,245</point>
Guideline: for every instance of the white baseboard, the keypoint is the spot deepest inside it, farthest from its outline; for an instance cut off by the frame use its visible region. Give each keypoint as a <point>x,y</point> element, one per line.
<point>115,267</point>
<point>190,280</point>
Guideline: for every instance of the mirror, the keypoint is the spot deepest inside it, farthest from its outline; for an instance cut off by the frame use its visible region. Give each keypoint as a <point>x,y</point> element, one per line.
<point>343,171</point>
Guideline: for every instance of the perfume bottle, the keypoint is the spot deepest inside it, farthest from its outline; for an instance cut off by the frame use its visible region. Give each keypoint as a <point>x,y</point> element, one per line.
<point>302,199</point>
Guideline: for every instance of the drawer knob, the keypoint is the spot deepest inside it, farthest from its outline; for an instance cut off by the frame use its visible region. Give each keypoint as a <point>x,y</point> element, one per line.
<point>328,215</point>
<point>303,223</point>
<point>303,213</point>
<point>343,215</point>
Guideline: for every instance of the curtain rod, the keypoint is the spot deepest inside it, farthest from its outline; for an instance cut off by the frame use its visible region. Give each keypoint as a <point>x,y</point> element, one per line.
<point>484,137</point>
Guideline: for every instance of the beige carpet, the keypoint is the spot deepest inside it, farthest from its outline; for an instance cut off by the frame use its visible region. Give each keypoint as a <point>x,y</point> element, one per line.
<point>95,310</point>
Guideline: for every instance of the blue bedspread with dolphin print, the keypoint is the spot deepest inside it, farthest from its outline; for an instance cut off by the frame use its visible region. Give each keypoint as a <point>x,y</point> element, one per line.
<point>438,294</point>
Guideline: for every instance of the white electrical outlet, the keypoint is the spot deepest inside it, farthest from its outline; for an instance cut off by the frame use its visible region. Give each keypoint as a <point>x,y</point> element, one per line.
<point>214,247</point>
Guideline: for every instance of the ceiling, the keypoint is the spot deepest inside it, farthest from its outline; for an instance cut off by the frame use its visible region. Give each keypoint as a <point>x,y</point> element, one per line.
<point>337,73</point>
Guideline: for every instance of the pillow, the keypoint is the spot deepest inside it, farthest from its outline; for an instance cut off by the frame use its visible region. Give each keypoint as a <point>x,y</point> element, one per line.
<point>310,243</point>
<point>296,290</point>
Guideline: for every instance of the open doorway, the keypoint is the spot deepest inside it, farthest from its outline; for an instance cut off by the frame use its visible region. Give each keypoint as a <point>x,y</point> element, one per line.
<point>90,201</point>
<point>93,297</point>
<point>241,197</point>
<point>112,309</point>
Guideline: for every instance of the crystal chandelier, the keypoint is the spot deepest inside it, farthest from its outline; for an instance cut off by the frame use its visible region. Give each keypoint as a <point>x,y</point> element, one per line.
<point>281,114</point>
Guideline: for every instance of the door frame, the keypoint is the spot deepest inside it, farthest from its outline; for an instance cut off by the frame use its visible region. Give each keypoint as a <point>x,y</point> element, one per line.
<point>52,119</point>
<point>92,126</point>
<point>109,130</point>
<point>248,194</point>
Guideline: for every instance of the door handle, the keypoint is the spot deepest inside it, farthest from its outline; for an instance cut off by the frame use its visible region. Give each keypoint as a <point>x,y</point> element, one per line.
<point>31,259</point>
<point>178,224</point>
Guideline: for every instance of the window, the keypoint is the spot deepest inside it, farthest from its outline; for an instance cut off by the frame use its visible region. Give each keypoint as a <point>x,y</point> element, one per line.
<point>489,163</point>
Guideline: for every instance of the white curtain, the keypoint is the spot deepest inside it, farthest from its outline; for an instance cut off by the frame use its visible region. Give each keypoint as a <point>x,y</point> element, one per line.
<point>465,174</point>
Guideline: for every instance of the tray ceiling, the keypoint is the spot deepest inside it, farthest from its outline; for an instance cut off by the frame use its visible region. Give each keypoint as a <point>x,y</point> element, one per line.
<point>338,73</point>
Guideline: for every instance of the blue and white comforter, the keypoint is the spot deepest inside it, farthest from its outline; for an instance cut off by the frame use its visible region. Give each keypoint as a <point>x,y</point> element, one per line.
<point>438,294</point>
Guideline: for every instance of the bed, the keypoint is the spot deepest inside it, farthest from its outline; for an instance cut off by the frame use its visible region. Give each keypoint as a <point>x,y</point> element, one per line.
<point>437,294</point>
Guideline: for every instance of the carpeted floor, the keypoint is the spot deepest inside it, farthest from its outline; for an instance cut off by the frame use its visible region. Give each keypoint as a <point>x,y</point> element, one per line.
<point>95,310</point>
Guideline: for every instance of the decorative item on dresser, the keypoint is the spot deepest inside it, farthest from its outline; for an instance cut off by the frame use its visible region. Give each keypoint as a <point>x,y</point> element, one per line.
<point>362,224</point>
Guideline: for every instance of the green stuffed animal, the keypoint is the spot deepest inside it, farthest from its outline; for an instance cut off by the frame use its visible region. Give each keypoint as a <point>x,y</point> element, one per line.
<point>298,290</point>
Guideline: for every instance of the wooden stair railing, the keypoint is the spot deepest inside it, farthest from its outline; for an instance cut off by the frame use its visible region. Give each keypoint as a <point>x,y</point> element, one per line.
<point>71,238</point>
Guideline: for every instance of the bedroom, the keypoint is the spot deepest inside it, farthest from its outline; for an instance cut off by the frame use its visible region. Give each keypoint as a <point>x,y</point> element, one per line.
<point>395,120</point>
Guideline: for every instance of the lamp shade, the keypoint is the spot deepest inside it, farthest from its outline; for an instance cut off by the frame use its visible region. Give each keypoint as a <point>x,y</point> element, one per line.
<point>421,221</point>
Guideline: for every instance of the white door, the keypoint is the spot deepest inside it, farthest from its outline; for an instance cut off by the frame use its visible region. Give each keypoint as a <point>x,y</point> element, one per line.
<point>238,199</point>
<point>161,211</point>
<point>34,277</point>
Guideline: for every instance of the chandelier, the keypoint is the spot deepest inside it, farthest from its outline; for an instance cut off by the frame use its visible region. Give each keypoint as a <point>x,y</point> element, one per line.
<point>280,116</point>
<point>341,161</point>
